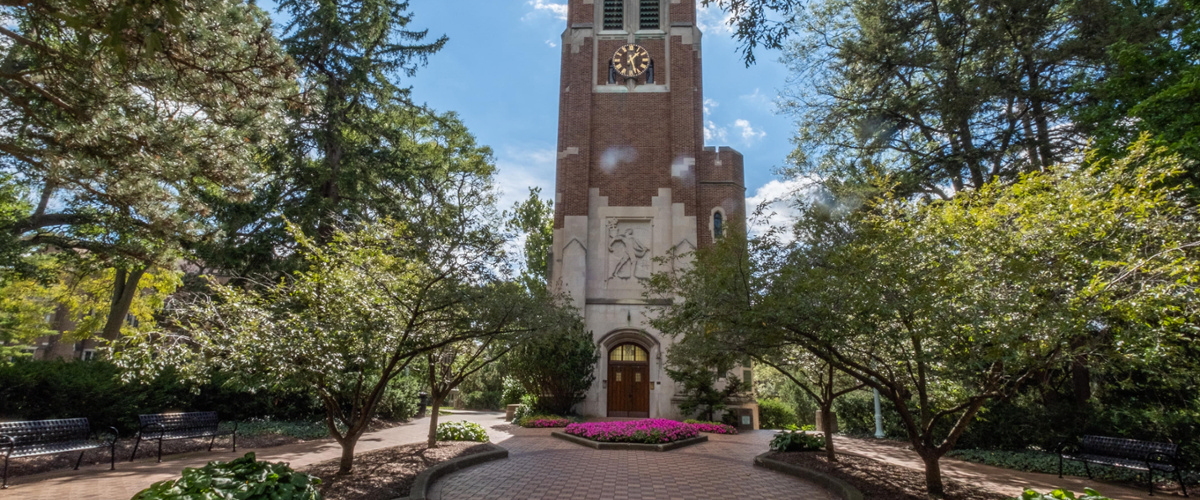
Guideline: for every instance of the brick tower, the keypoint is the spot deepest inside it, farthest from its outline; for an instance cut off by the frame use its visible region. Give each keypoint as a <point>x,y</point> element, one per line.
<point>634,182</point>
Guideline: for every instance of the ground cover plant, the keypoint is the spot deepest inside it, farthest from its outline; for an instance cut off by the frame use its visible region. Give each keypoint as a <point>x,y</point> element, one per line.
<point>1088,494</point>
<point>649,431</point>
<point>461,431</point>
<point>1047,463</point>
<point>712,427</point>
<point>879,480</point>
<point>244,477</point>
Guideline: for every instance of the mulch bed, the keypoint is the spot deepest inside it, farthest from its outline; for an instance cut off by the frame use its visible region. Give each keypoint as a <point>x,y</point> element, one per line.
<point>222,450</point>
<point>388,473</point>
<point>881,481</point>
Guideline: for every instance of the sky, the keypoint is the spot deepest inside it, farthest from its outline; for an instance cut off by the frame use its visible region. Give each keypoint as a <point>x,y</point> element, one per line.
<point>500,73</point>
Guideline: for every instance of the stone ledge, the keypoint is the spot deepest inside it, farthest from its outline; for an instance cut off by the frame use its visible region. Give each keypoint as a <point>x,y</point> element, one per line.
<point>426,478</point>
<point>629,446</point>
<point>836,486</point>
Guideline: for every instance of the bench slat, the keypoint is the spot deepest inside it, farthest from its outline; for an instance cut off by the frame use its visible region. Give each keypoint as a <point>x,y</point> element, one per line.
<point>43,437</point>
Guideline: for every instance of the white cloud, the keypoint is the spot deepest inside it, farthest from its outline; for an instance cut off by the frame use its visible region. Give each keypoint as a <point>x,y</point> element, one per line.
<point>714,20</point>
<point>777,199</point>
<point>551,43</point>
<point>759,99</point>
<point>714,133</point>
<point>709,105</point>
<point>559,10</point>
<point>518,169</point>
<point>749,134</point>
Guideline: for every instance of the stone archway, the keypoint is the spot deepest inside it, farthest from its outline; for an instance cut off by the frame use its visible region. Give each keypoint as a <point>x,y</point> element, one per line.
<point>628,381</point>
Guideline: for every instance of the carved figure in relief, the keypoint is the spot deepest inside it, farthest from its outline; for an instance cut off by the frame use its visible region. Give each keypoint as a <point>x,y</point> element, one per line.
<point>631,252</point>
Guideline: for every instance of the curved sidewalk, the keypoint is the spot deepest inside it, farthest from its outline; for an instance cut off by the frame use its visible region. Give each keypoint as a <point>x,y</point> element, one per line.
<point>540,466</point>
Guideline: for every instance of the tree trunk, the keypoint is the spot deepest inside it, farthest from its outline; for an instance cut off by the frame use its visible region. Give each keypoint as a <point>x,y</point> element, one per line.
<point>433,421</point>
<point>347,463</point>
<point>933,474</point>
<point>827,429</point>
<point>125,287</point>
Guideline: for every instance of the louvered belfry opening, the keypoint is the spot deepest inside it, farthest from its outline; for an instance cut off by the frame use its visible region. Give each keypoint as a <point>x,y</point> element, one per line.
<point>648,18</point>
<point>614,14</point>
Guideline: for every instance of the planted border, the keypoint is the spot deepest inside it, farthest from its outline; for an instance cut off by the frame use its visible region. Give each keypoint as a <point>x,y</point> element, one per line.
<point>603,445</point>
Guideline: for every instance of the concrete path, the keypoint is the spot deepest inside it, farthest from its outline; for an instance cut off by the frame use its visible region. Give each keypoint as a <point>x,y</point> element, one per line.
<point>543,467</point>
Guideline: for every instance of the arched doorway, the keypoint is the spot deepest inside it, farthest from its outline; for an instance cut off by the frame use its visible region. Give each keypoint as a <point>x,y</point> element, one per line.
<point>628,381</point>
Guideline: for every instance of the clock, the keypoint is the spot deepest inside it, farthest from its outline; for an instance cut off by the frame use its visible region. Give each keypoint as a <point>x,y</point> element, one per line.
<point>631,60</point>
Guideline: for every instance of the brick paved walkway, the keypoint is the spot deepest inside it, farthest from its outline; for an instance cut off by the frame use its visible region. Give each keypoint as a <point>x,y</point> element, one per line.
<point>543,467</point>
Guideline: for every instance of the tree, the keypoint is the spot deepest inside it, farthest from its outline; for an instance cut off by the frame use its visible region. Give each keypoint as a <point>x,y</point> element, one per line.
<point>556,365</point>
<point>946,306</point>
<point>534,218</point>
<point>125,120</point>
<point>366,304</point>
<point>347,157</point>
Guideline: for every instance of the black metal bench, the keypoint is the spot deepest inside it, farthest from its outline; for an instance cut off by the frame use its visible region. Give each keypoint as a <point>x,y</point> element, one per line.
<point>168,426</point>
<point>1146,456</point>
<point>47,437</point>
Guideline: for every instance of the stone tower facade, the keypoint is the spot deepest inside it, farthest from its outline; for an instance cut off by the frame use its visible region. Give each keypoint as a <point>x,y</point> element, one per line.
<point>634,182</point>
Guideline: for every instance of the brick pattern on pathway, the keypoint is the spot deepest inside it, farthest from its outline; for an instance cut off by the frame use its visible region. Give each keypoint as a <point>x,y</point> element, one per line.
<point>543,467</point>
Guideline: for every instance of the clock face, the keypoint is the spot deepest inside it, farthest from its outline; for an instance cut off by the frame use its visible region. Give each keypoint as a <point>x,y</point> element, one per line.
<point>631,60</point>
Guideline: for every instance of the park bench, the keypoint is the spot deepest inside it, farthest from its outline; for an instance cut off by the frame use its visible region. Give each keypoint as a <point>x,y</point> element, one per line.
<point>48,437</point>
<point>1146,456</point>
<point>168,426</point>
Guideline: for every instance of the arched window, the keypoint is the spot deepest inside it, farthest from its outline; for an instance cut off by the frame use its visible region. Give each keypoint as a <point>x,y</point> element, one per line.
<point>614,14</point>
<point>718,225</point>
<point>648,15</point>
<point>628,353</point>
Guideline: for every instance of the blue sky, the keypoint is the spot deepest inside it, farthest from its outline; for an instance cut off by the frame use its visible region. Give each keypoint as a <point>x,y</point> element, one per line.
<point>500,73</point>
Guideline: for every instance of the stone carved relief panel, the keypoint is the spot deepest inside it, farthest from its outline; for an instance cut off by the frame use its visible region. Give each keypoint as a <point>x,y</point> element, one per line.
<point>630,245</point>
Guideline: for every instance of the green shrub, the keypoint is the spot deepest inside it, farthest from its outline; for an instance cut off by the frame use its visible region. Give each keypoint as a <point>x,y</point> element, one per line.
<point>400,399</point>
<point>36,390</point>
<point>481,400</point>
<point>241,478</point>
<point>1047,463</point>
<point>461,431</point>
<point>797,441</point>
<point>512,393</point>
<point>1088,494</point>
<point>856,415</point>
<point>520,413</point>
<point>774,414</point>
<point>557,365</point>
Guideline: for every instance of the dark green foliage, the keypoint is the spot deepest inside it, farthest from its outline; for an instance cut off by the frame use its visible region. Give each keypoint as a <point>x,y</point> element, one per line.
<point>856,415</point>
<point>775,414</point>
<point>513,392</point>
<point>242,478</point>
<point>483,390</point>
<point>401,399</point>
<point>35,390</point>
<point>557,366</point>
<point>1047,463</point>
<point>797,441</point>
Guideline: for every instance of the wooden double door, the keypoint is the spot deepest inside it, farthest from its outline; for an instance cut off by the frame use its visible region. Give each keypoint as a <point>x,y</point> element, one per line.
<point>629,389</point>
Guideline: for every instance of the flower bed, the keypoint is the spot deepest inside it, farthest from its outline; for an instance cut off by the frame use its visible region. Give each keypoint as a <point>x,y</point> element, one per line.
<point>714,428</point>
<point>650,431</point>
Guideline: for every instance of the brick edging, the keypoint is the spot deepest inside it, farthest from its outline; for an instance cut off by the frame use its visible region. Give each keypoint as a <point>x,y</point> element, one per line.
<point>629,446</point>
<point>836,486</point>
<point>426,478</point>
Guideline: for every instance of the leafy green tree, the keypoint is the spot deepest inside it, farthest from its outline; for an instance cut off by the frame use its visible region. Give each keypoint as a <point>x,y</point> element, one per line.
<point>696,366</point>
<point>534,218</point>
<point>123,121</point>
<point>349,154</point>
<point>947,306</point>
<point>556,365</point>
